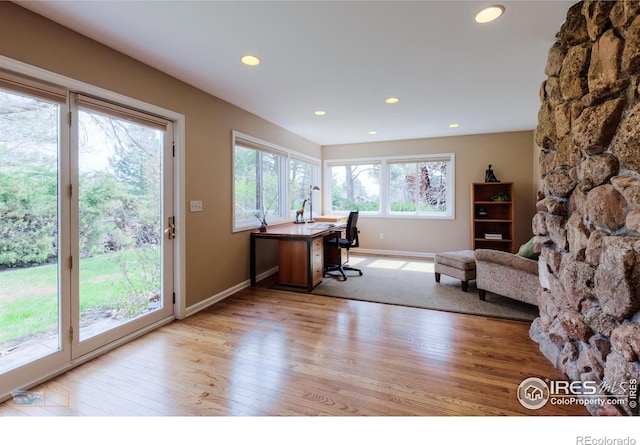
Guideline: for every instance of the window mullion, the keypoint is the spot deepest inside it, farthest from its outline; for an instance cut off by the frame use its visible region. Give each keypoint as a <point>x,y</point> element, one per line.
<point>417,187</point>
<point>259,176</point>
<point>285,165</point>
<point>385,187</point>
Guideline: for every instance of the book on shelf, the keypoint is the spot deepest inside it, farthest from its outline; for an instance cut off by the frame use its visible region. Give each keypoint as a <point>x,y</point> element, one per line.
<point>493,235</point>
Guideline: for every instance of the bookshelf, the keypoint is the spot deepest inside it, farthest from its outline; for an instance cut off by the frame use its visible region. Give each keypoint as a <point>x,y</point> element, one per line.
<point>492,216</point>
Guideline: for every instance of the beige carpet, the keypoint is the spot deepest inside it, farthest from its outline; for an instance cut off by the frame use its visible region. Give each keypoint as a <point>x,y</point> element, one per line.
<point>411,282</point>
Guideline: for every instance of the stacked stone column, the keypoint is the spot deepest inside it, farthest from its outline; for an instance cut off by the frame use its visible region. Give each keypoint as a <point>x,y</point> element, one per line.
<point>587,224</point>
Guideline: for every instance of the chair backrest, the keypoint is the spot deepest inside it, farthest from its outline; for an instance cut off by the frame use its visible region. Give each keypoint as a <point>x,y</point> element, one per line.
<point>352,228</point>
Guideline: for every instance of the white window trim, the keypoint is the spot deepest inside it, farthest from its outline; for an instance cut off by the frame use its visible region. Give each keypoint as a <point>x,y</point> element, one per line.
<point>385,205</point>
<point>287,154</point>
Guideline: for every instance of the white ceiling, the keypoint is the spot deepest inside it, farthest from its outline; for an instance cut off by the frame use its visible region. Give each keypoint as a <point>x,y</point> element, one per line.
<point>344,57</point>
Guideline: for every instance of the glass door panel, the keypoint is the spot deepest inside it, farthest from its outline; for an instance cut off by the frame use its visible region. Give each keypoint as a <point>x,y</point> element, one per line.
<point>30,305</point>
<point>120,222</point>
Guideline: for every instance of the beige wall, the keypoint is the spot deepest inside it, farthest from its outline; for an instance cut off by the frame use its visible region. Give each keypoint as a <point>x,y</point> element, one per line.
<point>510,154</point>
<point>216,259</point>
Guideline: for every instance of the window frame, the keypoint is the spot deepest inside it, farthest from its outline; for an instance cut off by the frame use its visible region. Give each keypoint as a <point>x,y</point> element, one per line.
<point>385,184</point>
<point>286,154</point>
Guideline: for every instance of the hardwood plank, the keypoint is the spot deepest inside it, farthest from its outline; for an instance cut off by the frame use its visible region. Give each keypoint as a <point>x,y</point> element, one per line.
<point>269,352</point>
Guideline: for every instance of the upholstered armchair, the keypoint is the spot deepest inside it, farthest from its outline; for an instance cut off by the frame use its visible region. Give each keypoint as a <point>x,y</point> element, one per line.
<point>506,274</point>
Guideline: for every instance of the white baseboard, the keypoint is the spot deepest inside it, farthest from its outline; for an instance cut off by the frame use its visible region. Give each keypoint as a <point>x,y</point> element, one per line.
<point>401,253</point>
<point>226,293</point>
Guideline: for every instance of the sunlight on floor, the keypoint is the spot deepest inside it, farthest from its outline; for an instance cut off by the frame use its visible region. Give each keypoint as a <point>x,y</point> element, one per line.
<point>387,264</point>
<point>353,261</point>
<point>398,264</point>
<point>419,266</point>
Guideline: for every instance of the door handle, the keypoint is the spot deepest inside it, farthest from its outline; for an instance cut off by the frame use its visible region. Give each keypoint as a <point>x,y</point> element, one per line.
<point>171,230</point>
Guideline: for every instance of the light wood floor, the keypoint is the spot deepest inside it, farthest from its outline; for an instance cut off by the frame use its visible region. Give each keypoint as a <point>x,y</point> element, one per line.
<point>267,352</point>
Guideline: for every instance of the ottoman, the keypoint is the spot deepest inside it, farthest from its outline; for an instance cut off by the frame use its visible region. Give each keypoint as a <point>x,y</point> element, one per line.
<point>460,264</point>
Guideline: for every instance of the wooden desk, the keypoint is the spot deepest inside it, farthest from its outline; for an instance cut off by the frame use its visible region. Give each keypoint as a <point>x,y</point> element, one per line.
<point>300,252</point>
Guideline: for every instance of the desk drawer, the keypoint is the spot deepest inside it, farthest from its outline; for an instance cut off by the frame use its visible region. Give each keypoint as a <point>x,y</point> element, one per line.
<point>317,261</point>
<point>317,275</point>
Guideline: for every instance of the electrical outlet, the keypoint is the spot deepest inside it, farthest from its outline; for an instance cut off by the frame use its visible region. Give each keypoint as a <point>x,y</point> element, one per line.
<point>195,206</point>
<point>382,236</point>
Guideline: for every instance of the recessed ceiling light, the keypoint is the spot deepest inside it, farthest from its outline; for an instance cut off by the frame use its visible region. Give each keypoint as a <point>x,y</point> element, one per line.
<point>320,113</point>
<point>454,125</point>
<point>489,14</point>
<point>372,132</point>
<point>392,100</point>
<point>250,60</point>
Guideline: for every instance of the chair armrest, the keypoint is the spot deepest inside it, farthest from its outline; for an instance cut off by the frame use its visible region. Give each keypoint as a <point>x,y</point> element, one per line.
<point>507,259</point>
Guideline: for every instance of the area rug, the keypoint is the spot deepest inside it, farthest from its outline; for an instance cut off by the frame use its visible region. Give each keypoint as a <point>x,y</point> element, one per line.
<point>411,282</point>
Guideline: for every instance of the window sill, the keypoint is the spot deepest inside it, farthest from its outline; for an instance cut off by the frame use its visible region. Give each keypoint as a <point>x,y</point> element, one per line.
<point>254,225</point>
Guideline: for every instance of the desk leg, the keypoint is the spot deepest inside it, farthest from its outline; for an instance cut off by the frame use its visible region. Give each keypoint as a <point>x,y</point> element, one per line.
<point>252,260</point>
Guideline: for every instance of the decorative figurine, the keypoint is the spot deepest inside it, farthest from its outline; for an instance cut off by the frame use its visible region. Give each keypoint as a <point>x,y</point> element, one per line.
<point>489,176</point>
<point>300,213</point>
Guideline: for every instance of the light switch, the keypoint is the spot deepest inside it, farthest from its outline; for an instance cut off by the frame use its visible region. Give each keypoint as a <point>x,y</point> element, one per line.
<point>196,206</point>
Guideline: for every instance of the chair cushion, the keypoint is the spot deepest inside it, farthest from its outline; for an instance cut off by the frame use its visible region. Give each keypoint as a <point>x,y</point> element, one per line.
<point>338,242</point>
<point>461,259</point>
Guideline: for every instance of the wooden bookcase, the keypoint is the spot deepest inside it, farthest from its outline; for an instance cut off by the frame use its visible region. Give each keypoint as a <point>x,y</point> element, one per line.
<point>492,218</point>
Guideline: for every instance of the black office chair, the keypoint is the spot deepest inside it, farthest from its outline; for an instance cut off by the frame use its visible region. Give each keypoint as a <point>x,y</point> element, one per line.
<point>345,243</point>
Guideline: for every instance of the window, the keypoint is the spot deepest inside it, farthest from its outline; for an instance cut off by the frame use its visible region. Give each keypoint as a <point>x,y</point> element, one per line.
<point>269,181</point>
<point>418,188</point>
<point>257,183</point>
<point>355,187</point>
<point>414,186</point>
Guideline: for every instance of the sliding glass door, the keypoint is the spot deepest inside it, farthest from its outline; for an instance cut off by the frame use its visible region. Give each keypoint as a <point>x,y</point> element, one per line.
<point>86,238</point>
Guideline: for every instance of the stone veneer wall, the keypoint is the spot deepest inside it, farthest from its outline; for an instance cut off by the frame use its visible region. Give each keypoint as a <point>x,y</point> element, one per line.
<point>587,224</point>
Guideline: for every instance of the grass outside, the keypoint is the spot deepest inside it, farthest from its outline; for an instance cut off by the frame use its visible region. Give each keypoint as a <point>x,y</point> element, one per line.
<point>29,296</point>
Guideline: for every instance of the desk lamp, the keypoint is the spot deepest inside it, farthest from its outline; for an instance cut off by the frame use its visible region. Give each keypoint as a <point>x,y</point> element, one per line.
<point>315,188</point>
